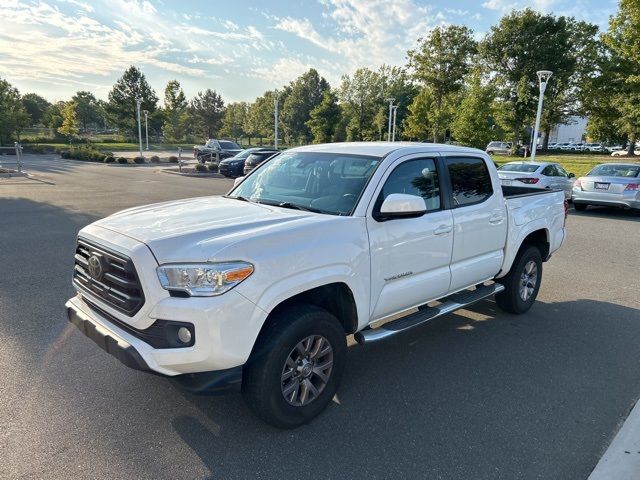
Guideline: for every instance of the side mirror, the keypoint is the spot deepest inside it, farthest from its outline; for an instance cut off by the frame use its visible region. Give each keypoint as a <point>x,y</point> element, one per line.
<point>400,205</point>
<point>572,175</point>
<point>237,181</point>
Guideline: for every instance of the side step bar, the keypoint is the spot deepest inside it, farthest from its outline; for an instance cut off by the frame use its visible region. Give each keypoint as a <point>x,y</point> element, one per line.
<point>425,313</point>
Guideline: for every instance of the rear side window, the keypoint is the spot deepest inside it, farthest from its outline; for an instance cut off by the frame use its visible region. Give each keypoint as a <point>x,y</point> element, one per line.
<point>470,180</point>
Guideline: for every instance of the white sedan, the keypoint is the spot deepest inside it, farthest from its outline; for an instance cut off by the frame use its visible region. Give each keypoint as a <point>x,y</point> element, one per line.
<point>536,175</point>
<point>622,153</point>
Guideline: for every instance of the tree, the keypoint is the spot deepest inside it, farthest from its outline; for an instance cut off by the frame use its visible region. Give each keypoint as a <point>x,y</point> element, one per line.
<point>233,120</point>
<point>88,110</point>
<point>440,63</point>
<point>260,118</point>
<point>473,120</point>
<point>206,112</point>
<point>419,122</point>
<point>361,97</point>
<point>325,118</point>
<point>13,115</point>
<point>35,105</point>
<point>303,95</point>
<point>622,69</point>
<point>522,43</point>
<point>52,116</point>
<point>70,124</point>
<point>175,112</point>
<point>122,100</point>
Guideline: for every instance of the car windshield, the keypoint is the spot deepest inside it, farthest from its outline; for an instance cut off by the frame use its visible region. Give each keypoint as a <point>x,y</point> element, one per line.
<point>229,145</point>
<point>244,154</point>
<point>609,170</point>
<point>519,167</point>
<point>320,182</point>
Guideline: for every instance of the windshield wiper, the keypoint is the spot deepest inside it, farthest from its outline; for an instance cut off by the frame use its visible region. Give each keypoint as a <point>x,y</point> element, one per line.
<point>239,197</point>
<point>293,206</point>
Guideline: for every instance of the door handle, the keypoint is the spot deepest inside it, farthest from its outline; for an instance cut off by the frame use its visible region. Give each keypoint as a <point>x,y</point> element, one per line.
<point>442,229</point>
<point>495,219</point>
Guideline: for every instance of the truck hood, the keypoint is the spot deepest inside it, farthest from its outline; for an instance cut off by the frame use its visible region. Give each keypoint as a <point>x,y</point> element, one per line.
<point>196,229</point>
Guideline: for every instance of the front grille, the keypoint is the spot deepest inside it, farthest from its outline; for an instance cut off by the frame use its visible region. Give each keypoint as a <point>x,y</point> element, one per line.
<point>115,281</point>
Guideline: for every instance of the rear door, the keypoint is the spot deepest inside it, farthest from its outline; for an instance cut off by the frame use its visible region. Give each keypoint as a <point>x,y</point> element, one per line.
<point>410,256</point>
<point>479,220</point>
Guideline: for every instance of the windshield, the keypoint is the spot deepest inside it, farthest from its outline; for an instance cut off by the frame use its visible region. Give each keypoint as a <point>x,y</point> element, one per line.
<point>519,167</point>
<point>226,145</point>
<point>244,154</point>
<point>615,171</point>
<point>321,182</point>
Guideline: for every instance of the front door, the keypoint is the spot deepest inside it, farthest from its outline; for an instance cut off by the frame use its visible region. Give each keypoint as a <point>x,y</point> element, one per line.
<point>410,256</point>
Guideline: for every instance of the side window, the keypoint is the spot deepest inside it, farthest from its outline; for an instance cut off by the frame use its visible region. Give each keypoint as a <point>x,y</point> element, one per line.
<point>414,177</point>
<point>547,171</point>
<point>561,171</point>
<point>470,180</point>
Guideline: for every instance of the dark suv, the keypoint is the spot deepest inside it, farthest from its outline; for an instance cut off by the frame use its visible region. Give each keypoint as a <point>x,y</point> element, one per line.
<point>256,158</point>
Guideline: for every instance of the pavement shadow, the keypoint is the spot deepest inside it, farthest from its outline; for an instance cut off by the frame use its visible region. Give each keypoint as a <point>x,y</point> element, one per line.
<point>608,212</point>
<point>427,403</point>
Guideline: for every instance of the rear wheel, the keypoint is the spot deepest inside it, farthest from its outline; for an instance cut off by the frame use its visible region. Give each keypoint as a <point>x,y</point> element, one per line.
<point>580,207</point>
<point>522,283</point>
<point>296,366</point>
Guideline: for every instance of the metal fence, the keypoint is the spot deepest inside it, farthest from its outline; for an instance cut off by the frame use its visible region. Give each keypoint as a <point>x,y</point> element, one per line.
<point>15,150</point>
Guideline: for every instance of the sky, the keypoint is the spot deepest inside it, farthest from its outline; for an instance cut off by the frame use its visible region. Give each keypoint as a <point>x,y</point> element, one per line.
<point>239,48</point>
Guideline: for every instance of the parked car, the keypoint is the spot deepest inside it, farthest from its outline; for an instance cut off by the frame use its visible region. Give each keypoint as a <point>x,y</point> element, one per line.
<point>259,289</point>
<point>216,149</point>
<point>622,153</point>
<point>551,146</point>
<point>234,166</point>
<point>609,184</point>
<point>257,157</point>
<point>614,148</point>
<point>563,146</point>
<point>537,175</point>
<point>499,148</point>
<point>594,147</point>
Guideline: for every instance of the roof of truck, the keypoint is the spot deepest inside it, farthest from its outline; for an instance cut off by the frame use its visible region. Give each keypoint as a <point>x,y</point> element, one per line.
<point>380,149</point>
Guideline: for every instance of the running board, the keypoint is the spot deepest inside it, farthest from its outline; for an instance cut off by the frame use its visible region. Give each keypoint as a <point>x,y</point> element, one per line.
<point>425,313</point>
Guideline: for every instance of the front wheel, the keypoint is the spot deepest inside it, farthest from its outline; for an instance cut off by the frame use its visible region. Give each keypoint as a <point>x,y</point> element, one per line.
<point>522,283</point>
<point>296,366</point>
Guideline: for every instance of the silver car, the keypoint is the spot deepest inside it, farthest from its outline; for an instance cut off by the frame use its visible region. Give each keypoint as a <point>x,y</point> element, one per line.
<point>609,184</point>
<point>499,148</point>
<point>536,175</point>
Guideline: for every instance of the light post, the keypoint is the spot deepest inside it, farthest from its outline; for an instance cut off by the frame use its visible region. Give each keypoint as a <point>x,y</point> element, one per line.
<point>390,100</point>
<point>276,99</point>
<point>138,103</point>
<point>393,132</point>
<point>543,78</point>
<point>146,127</point>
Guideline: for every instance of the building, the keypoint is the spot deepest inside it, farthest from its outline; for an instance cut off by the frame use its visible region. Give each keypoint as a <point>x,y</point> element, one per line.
<point>574,131</point>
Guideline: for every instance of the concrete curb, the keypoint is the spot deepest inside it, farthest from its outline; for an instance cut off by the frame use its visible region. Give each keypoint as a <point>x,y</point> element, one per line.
<point>203,175</point>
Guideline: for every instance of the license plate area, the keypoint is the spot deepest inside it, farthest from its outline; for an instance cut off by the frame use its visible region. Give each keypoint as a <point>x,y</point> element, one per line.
<point>601,186</point>
<point>506,183</point>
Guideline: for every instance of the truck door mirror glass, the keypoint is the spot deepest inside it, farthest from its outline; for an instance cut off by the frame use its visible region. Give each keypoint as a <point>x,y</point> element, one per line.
<point>401,205</point>
<point>237,181</point>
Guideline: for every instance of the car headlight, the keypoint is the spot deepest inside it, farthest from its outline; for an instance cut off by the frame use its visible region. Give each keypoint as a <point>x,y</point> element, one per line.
<point>203,280</point>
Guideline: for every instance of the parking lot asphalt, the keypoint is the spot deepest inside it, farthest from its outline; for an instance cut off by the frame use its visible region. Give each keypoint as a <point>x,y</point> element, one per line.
<point>478,394</point>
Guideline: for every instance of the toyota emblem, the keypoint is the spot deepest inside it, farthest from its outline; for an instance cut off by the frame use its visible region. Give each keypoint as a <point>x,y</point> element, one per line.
<point>95,267</point>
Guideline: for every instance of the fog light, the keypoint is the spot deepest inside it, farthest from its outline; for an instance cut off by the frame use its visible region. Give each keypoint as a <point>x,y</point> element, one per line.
<point>184,335</point>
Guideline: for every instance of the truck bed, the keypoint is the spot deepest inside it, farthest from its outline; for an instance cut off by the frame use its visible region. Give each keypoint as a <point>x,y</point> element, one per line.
<point>514,192</point>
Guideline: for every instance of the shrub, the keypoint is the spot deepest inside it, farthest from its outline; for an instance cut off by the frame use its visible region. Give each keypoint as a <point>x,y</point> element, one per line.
<point>109,159</point>
<point>139,160</point>
<point>65,154</point>
<point>155,159</point>
<point>173,159</point>
<point>201,168</point>
<point>122,160</point>
<point>213,167</point>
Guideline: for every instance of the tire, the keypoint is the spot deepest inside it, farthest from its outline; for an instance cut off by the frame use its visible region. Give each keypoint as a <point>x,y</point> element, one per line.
<point>490,152</point>
<point>580,207</point>
<point>512,299</point>
<point>272,368</point>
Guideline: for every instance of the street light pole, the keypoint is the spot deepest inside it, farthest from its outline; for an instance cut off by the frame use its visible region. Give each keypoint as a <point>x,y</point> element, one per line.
<point>275,115</point>
<point>543,78</point>
<point>146,127</point>
<point>138,103</point>
<point>390,100</point>
<point>393,134</point>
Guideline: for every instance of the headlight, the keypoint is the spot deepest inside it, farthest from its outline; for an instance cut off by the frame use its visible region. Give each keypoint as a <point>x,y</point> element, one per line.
<point>203,280</point>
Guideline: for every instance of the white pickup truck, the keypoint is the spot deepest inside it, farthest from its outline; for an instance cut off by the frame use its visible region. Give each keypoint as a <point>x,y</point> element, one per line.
<point>258,289</point>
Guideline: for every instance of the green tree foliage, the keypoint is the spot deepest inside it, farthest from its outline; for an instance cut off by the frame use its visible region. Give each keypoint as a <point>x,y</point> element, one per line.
<point>35,105</point>
<point>13,115</point>
<point>325,118</point>
<point>522,43</point>
<point>360,97</point>
<point>473,122</point>
<point>175,112</point>
<point>260,118</point>
<point>234,119</point>
<point>122,100</point>
<point>303,95</point>
<point>419,122</point>
<point>89,111</point>
<point>206,113</point>
<point>52,116</point>
<point>70,124</point>
<point>440,63</point>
